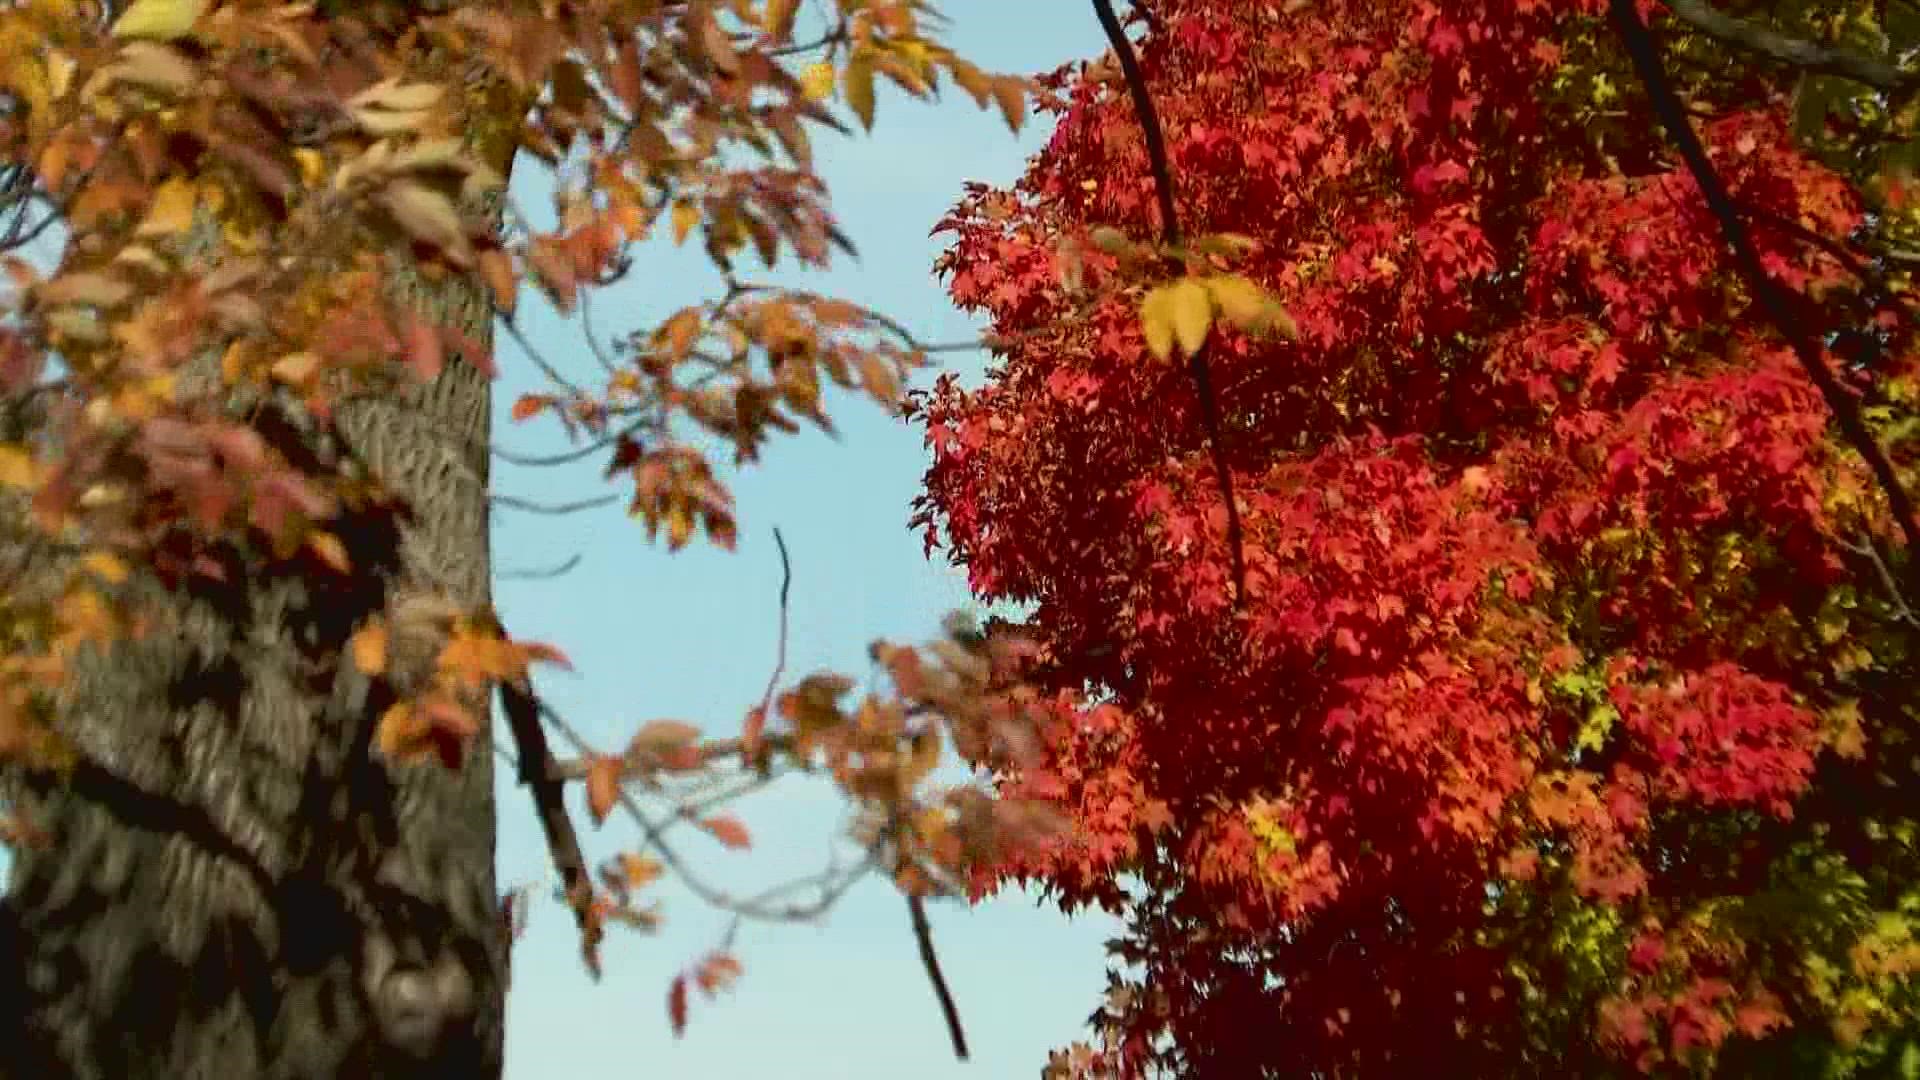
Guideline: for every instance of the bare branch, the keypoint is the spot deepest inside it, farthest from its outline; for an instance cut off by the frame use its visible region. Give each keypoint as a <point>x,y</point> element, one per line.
<point>514,502</point>
<point>923,934</point>
<point>542,573</point>
<point>523,710</point>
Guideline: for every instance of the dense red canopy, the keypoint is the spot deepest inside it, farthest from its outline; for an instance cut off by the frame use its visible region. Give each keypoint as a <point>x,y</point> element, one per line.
<point>1537,743</point>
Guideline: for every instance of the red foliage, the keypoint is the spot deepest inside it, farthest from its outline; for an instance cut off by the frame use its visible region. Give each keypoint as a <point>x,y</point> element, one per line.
<point>1536,512</point>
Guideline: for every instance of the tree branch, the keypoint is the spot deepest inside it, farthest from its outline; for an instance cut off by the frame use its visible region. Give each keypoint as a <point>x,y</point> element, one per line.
<point>523,710</point>
<point>923,934</point>
<point>1170,234</point>
<point>1796,52</point>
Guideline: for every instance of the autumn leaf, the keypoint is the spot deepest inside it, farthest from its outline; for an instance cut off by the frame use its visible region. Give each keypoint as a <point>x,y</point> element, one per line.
<point>858,84</point>
<point>158,20</point>
<point>527,406</point>
<point>1010,93</point>
<point>817,81</point>
<point>639,871</point>
<point>330,550</point>
<point>503,281</point>
<point>16,467</point>
<point>660,736</point>
<point>172,208</point>
<point>677,1005</point>
<point>369,649</point>
<point>684,217</point>
<point>1191,312</point>
<point>1157,322</point>
<point>603,786</point>
<point>106,566</point>
<point>728,830</point>
<point>429,217</point>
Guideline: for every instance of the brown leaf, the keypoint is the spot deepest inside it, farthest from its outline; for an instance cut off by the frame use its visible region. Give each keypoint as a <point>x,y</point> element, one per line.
<point>1010,93</point>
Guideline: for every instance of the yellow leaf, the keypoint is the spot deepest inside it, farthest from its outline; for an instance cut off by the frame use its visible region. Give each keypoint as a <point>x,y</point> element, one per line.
<point>1156,322</point>
<point>172,209</point>
<point>369,648</point>
<point>16,467</point>
<point>1240,300</point>
<point>313,167</point>
<point>106,566</point>
<point>685,217</point>
<point>859,87</point>
<point>158,20</point>
<point>1192,314</point>
<point>60,69</point>
<point>817,80</point>
<point>972,80</point>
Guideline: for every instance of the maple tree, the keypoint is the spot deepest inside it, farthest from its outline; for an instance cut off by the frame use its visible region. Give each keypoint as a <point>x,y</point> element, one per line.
<point>249,643</point>
<point>1563,720</point>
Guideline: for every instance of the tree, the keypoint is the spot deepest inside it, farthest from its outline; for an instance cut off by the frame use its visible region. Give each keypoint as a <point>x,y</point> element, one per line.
<point>1563,723</point>
<point>244,451</point>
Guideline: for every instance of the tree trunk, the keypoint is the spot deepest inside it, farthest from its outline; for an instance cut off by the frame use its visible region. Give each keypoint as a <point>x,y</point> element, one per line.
<point>238,885</point>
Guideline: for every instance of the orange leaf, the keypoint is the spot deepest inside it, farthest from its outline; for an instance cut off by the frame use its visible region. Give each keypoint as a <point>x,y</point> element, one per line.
<point>727,829</point>
<point>496,268</point>
<point>331,551</point>
<point>639,870</point>
<point>529,404</point>
<point>369,648</point>
<point>603,787</point>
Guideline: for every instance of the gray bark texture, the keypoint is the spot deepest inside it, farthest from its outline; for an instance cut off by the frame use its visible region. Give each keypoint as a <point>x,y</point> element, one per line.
<point>239,885</point>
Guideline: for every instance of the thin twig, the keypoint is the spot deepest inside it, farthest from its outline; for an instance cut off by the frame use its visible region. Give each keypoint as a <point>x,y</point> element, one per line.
<point>1170,235</point>
<point>542,573</point>
<point>1646,60</point>
<point>923,934</point>
<point>780,645</point>
<point>514,502</point>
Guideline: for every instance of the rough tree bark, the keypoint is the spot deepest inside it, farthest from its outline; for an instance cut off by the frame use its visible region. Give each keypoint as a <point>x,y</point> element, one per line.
<point>238,885</point>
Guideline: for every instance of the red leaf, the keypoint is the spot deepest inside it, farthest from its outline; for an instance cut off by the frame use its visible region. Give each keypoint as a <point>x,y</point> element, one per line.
<point>677,1005</point>
<point>728,830</point>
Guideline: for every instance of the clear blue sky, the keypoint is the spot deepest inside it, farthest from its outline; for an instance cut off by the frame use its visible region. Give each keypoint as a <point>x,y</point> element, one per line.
<point>691,637</point>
